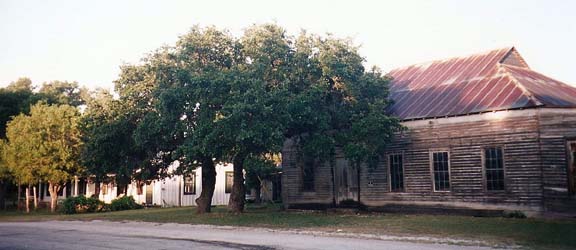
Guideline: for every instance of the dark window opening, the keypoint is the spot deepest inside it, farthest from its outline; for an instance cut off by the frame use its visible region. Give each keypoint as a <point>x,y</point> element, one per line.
<point>441,169</point>
<point>308,176</point>
<point>396,173</point>
<point>81,187</point>
<point>229,181</point>
<point>190,183</point>
<point>68,189</point>
<point>494,167</point>
<point>572,167</point>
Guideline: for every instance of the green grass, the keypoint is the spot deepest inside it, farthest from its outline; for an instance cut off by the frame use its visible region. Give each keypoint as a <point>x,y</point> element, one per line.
<point>532,233</point>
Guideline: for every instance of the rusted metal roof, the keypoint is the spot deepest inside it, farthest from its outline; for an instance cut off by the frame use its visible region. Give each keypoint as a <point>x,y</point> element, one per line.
<point>495,80</point>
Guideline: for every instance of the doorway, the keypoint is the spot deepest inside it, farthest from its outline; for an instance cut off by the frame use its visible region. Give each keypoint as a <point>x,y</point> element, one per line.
<point>572,167</point>
<point>149,193</point>
<point>346,181</point>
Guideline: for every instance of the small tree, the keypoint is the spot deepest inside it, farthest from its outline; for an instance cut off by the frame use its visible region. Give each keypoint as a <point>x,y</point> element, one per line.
<point>259,169</point>
<point>45,146</point>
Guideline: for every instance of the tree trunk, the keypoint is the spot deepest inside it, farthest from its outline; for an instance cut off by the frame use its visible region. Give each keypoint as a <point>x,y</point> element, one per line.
<point>53,189</point>
<point>19,196</point>
<point>238,195</point>
<point>35,197</point>
<point>204,202</point>
<point>258,190</point>
<point>28,199</point>
<point>3,187</point>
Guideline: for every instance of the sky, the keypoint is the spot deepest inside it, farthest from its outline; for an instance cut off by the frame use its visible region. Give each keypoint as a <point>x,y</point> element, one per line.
<point>87,41</point>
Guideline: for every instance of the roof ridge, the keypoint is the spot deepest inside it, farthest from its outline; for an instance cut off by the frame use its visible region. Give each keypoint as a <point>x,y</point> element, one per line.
<point>536,72</point>
<point>525,91</point>
<point>520,57</point>
<point>508,50</point>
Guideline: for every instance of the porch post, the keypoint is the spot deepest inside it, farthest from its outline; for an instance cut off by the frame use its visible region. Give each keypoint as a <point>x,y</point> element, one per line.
<point>75,186</point>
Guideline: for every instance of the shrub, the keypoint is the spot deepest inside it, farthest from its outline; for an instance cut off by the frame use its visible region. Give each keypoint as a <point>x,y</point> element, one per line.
<point>349,203</point>
<point>514,214</point>
<point>124,203</point>
<point>81,204</point>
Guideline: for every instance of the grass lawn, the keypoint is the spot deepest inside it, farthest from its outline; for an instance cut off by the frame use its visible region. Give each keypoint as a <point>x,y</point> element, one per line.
<point>532,233</point>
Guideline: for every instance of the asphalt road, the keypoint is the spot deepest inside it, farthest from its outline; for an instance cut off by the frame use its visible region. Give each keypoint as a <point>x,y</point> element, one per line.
<point>141,235</point>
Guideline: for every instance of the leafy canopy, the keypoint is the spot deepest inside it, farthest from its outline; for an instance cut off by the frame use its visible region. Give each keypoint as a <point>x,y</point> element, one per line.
<point>45,145</point>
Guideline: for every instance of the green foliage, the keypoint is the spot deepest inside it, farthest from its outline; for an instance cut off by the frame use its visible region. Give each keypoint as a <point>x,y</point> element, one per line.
<point>258,169</point>
<point>5,174</point>
<point>45,145</point>
<point>515,214</point>
<point>124,203</point>
<point>63,92</point>
<point>82,204</point>
<point>16,98</point>
<point>214,96</point>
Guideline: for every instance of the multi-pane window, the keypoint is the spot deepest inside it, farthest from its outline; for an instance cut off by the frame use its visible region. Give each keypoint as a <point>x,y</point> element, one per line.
<point>494,167</point>
<point>308,176</point>
<point>396,173</point>
<point>441,171</point>
<point>190,183</point>
<point>229,181</point>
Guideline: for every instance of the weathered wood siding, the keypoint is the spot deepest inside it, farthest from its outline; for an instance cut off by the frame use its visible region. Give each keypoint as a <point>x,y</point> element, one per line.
<point>556,127</point>
<point>534,154</point>
<point>292,192</point>
<point>465,139</point>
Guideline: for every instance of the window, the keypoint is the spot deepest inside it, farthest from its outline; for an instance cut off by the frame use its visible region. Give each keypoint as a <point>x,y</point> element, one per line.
<point>190,183</point>
<point>441,171</point>
<point>81,187</point>
<point>308,175</point>
<point>139,188</point>
<point>395,164</point>
<point>104,188</point>
<point>494,168</point>
<point>229,181</point>
<point>572,167</point>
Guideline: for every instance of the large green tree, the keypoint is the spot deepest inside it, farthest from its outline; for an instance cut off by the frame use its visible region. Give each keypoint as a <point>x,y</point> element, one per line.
<point>193,85</point>
<point>215,98</point>
<point>45,146</point>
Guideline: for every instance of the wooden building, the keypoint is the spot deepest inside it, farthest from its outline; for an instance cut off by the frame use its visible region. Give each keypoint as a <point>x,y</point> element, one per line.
<point>484,133</point>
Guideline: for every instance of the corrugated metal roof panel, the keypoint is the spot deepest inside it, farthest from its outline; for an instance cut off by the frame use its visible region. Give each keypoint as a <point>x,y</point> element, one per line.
<point>495,80</point>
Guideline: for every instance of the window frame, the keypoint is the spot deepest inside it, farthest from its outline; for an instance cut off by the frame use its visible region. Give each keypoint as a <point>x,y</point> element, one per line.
<point>104,188</point>
<point>571,187</point>
<point>433,179</point>
<point>484,177</point>
<point>191,175</point>
<point>403,190</point>
<point>226,190</point>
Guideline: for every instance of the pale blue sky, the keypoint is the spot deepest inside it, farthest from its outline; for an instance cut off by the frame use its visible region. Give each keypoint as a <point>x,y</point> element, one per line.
<point>87,41</point>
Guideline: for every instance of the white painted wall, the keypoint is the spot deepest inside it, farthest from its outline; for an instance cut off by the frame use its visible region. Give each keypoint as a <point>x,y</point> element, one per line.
<point>168,192</point>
